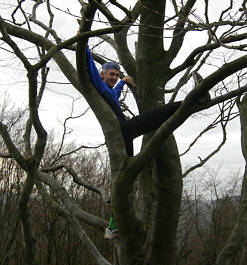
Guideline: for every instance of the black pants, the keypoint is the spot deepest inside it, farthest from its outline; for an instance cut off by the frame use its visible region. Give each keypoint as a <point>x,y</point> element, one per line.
<point>144,123</point>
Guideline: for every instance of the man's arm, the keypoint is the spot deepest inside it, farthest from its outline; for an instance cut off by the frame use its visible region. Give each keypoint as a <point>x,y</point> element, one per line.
<point>128,80</point>
<point>94,74</point>
<point>118,88</point>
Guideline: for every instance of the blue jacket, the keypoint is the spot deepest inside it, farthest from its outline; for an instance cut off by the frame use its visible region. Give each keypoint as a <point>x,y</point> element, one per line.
<point>111,96</point>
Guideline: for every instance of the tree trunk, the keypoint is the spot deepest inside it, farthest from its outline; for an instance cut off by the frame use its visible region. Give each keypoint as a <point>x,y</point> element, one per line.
<point>167,186</point>
<point>238,238</point>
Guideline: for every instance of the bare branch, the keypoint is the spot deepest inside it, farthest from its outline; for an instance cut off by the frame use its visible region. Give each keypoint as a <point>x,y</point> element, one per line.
<point>65,132</point>
<point>220,118</point>
<point>75,150</point>
<point>187,108</point>
<point>203,161</point>
<point>179,31</point>
<point>72,40</point>
<point>48,29</point>
<point>123,8</point>
<point>224,119</point>
<point>105,11</point>
<point>13,45</point>
<point>78,180</point>
<point>15,11</point>
<point>69,204</point>
<point>14,152</point>
<point>208,47</point>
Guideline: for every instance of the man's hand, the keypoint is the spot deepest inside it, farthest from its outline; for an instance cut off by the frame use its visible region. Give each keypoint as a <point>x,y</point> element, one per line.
<point>129,80</point>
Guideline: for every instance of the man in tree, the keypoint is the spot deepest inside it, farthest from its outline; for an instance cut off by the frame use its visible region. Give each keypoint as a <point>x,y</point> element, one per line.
<point>106,84</point>
<point>138,125</point>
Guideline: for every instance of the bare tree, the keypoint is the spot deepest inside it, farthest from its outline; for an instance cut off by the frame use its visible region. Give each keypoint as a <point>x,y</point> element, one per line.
<point>153,177</point>
<point>208,214</point>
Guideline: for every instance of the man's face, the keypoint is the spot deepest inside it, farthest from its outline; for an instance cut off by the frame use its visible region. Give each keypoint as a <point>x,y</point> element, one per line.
<point>110,77</point>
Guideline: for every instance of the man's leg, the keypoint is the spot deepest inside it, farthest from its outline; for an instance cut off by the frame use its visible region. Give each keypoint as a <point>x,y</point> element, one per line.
<point>144,123</point>
<point>112,224</point>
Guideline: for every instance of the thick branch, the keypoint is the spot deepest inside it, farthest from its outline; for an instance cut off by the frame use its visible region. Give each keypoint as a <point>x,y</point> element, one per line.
<point>150,44</point>
<point>25,216</point>
<point>12,44</point>
<point>123,8</point>
<point>34,115</point>
<point>51,52</point>
<point>38,40</point>
<point>69,204</point>
<point>102,110</point>
<point>105,11</point>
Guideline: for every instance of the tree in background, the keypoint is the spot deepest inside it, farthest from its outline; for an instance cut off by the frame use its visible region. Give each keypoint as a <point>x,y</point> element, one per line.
<point>208,214</point>
<point>145,189</point>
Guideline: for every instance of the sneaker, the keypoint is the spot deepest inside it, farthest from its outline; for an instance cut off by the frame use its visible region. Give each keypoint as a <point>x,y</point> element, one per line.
<point>198,79</point>
<point>111,234</point>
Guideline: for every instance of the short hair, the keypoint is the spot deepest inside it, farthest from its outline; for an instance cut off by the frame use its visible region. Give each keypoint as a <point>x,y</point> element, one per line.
<point>110,65</point>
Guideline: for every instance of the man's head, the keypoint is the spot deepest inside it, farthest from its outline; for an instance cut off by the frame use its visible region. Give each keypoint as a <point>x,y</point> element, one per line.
<point>110,73</point>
